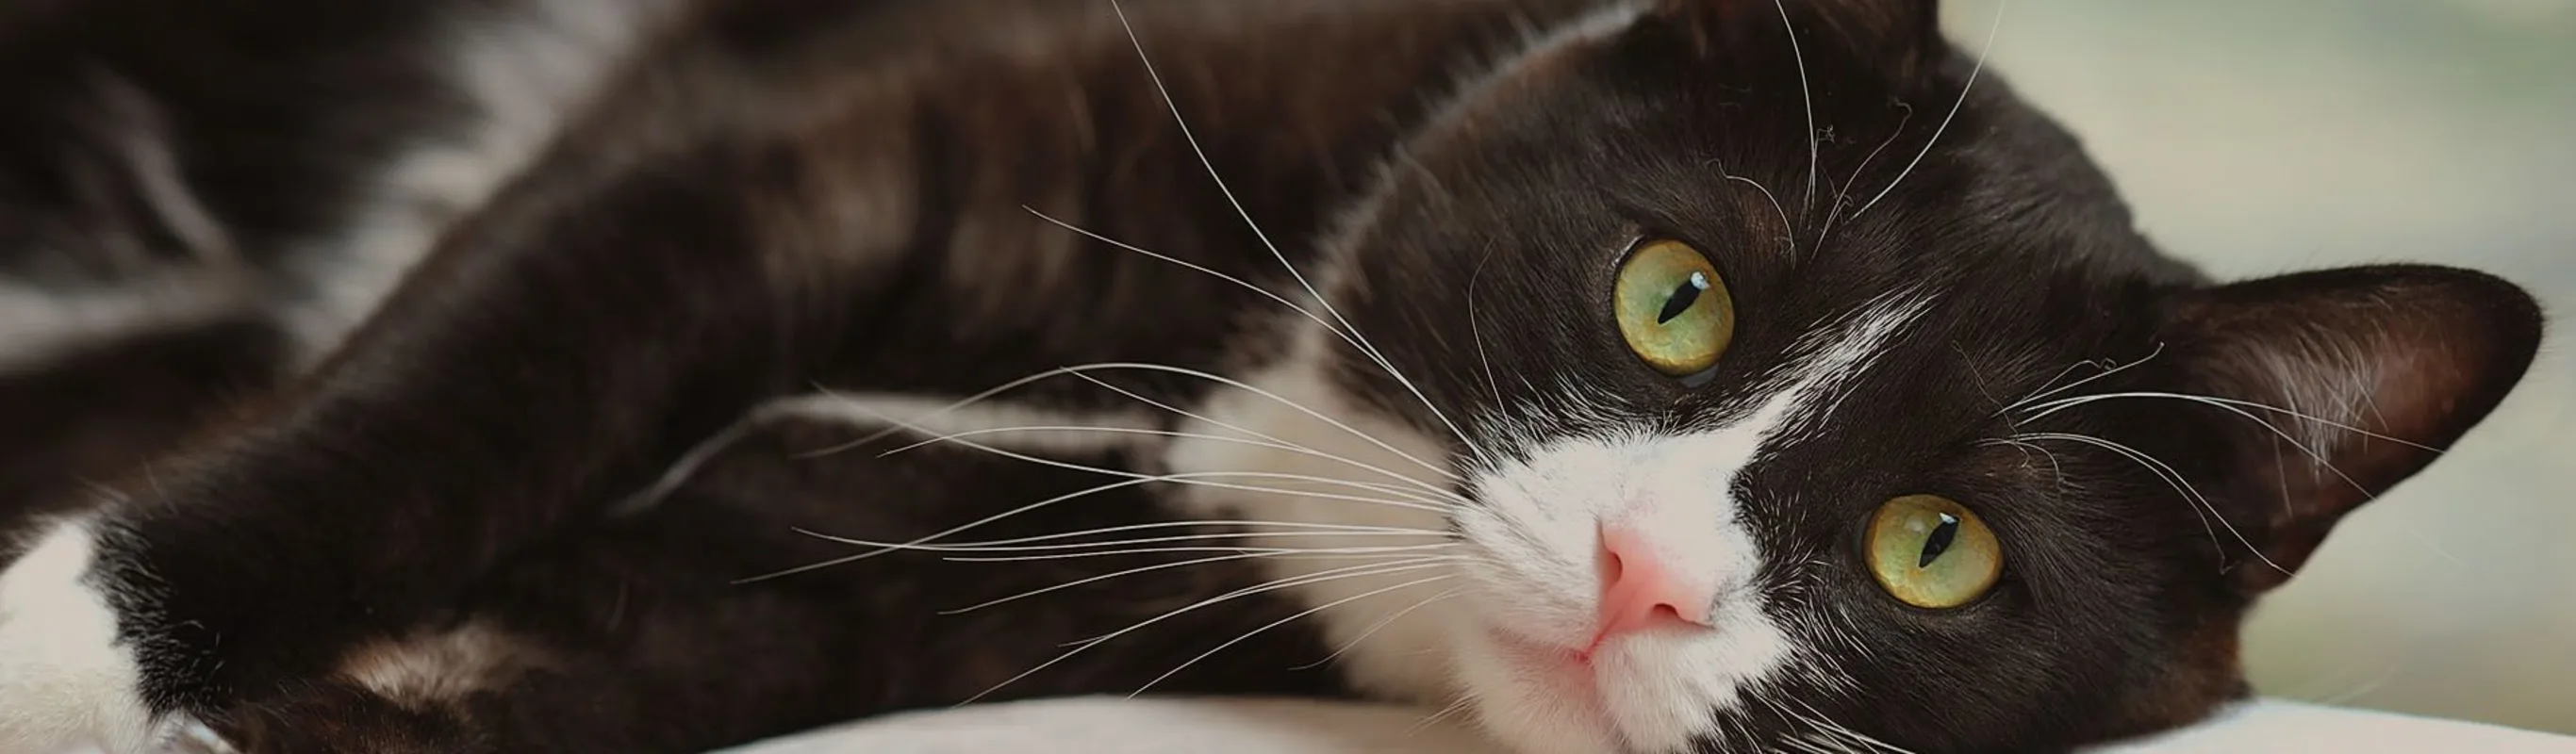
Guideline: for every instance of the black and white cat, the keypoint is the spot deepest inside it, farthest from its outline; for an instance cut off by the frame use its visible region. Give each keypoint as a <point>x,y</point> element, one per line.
<point>1694,375</point>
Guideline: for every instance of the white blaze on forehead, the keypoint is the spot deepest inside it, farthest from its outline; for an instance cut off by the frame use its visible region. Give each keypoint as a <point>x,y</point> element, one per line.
<point>1539,520</point>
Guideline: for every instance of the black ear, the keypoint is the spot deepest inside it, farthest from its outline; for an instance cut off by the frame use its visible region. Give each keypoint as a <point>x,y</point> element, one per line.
<point>1898,35</point>
<point>2350,381</point>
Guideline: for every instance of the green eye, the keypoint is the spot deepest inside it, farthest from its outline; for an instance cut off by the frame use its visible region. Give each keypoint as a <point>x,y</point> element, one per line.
<point>1673,309</point>
<point>1930,552</point>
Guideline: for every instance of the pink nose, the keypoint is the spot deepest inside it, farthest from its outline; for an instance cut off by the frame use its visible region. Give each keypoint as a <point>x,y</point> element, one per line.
<point>1640,590</point>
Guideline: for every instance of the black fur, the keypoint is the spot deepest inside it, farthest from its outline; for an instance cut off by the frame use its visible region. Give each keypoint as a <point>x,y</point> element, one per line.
<point>780,194</point>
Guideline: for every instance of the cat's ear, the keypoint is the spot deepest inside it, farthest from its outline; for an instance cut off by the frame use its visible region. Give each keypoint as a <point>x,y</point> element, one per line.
<point>1900,35</point>
<point>2339,384</point>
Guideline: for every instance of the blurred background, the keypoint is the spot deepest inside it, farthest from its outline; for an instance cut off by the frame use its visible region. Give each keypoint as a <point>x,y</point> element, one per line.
<point>2264,137</point>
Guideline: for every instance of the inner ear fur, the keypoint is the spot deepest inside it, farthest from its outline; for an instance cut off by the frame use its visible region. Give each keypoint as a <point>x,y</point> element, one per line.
<point>2344,383</point>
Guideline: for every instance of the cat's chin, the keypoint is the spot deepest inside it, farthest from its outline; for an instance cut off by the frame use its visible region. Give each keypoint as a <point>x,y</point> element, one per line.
<point>1536,697</point>
<point>1634,696</point>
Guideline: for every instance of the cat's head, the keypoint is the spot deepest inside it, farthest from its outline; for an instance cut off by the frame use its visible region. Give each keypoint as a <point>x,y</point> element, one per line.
<point>1795,380</point>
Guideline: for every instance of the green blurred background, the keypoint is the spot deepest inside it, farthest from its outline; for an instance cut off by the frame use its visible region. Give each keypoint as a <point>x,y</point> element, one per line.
<point>2263,136</point>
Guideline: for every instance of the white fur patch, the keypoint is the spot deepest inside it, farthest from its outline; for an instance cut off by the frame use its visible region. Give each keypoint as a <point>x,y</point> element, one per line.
<point>438,668</point>
<point>64,680</point>
<point>526,68</point>
<point>1404,652</point>
<point>990,422</point>
<point>40,326</point>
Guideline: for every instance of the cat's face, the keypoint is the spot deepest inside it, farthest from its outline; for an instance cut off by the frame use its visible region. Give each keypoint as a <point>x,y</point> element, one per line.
<point>1760,435</point>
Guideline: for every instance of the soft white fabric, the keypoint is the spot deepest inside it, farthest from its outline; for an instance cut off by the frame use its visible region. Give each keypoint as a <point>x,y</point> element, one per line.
<point>1177,726</point>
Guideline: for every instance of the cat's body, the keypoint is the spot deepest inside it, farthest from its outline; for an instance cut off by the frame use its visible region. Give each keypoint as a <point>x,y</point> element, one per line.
<point>674,252</point>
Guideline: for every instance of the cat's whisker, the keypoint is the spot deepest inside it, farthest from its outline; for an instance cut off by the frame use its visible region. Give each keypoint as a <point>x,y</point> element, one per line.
<point>1364,570</point>
<point>1437,716</point>
<point>2230,404</point>
<point>1379,625</point>
<point>1807,91</point>
<point>2045,391</point>
<point>2171,477</point>
<point>1247,635</point>
<point>1187,414</point>
<point>1285,553</point>
<point>1475,330</point>
<point>1377,569</point>
<point>1982,54</point>
<point>1818,718</point>
<point>1842,192</point>
<point>687,465</point>
<point>1789,232</point>
<point>1133,479</point>
<point>984,547</point>
<point>1361,340</point>
<point>1210,523</point>
<point>2055,469</point>
<point>1441,498</point>
<point>1186,478</point>
<point>1275,397</point>
<point>2365,688</point>
<point>1376,559</point>
<point>1196,267</point>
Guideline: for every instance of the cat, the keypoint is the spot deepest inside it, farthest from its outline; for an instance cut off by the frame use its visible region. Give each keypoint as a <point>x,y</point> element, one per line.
<point>1688,375</point>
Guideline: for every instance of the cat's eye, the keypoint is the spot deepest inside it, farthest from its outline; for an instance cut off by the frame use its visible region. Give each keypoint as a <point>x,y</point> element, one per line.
<point>1931,552</point>
<point>1673,309</point>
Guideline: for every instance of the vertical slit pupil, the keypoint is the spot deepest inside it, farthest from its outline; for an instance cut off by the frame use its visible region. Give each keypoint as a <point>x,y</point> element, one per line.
<point>1939,542</point>
<point>1683,296</point>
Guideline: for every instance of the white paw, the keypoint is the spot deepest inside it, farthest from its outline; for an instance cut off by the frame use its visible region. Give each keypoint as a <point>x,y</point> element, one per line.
<point>65,684</point>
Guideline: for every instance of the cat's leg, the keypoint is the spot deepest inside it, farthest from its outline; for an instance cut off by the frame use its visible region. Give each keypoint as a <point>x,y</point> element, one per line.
<point>652,633</point>
<point>620,304</point>
<point>169,166</point>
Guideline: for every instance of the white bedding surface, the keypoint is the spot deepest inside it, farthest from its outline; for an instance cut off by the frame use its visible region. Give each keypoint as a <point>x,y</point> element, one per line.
<point>1181,726</point>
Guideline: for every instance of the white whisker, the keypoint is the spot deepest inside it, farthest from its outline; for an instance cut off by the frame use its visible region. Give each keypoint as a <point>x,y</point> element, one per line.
<point>986,547</point>
<point>2229,404</point>
<point>956,437</point>
<point>2046,391</point>
<point>1275,397</point>
<point>1380,625</point>
<point>2171,477</point>
<point>1475,331</point>
<point>1247,635</point>
<point>1287,553</point>
<point>1788,232</point>
<point>1142,570</point>
<point>1808,92</point>
<point>1379,569</point>
<point>1443,713</point>
<point>1204,523</point>
<point>1980,68</point>
<point>1842,193</point>
<point>1192,138</point>
<point>853,406</point>
<point>1133,479</point>
<point>1247,285</point>
<point>1283,444</point>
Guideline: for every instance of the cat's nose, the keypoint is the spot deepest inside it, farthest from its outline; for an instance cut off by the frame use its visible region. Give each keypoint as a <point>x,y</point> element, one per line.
<point>1642,590</point>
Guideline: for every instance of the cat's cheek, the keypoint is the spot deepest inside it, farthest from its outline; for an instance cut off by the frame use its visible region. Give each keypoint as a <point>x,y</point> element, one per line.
<point>64,679</point>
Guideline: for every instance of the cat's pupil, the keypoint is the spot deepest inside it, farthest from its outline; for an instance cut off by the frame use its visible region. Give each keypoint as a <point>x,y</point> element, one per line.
<point>1939,541</point>
<point>1683,296</point>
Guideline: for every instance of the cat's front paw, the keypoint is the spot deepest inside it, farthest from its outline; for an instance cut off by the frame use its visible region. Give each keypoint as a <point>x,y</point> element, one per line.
<point>66,683</point>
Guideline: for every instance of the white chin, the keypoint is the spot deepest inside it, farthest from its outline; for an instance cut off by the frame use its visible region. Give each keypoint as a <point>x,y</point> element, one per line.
<point>1531,705</point>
